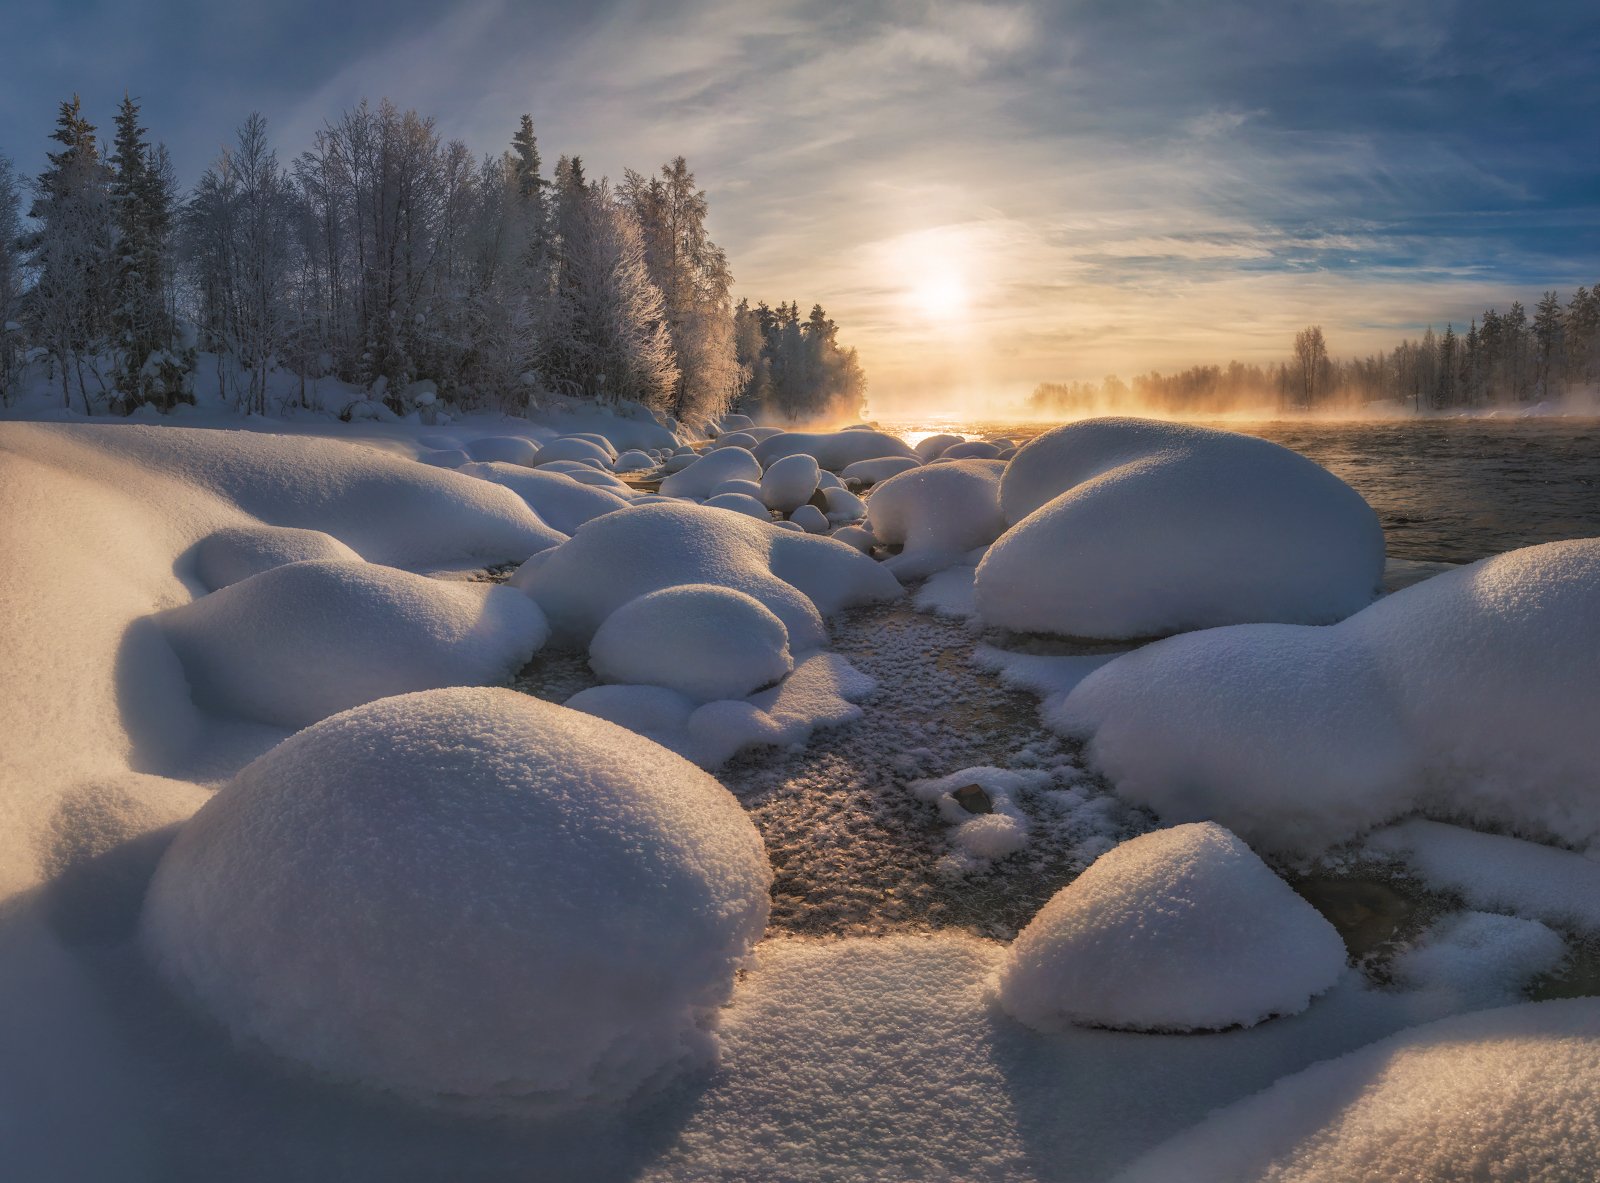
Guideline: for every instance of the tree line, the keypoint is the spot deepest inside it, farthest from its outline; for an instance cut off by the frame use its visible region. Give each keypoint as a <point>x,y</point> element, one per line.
<point>1503,359</point>
<point>395,261</point>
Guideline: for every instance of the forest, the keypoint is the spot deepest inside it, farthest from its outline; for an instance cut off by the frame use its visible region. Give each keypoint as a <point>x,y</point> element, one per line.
<point>1503,359</point>
<point>395,262</point>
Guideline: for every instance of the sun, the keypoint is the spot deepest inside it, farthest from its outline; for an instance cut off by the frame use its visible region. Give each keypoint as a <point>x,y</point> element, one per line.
<point>941,296</point>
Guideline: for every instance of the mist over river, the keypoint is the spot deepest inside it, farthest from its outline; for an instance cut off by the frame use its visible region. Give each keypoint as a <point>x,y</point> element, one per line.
<point>1450,490</point>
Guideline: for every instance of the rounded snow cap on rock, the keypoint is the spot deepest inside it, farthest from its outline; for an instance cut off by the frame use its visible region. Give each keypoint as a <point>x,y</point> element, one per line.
<point>789,482</point>
<point>704,641</point>
<point>1183,929</point>
<point>468,897</point>
<point>238,552</point>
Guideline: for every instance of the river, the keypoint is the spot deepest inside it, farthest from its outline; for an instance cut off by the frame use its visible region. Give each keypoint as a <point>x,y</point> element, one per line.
<point>1450,490</point>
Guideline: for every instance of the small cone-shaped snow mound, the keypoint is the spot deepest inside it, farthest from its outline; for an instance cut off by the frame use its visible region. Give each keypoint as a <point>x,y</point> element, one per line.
<point>1180,930</point>
<point>466,897</point>
<point>698,639</point>
<point>1504,1095</point>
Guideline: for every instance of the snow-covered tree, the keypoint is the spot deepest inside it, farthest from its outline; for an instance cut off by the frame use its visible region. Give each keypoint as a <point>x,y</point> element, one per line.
<point>10,277</point>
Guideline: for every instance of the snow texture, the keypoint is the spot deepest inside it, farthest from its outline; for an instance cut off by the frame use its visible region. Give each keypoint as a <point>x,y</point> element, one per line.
<point>937,514</point>
<point>788,483</point>
<point>301,642</point>
<point>1132,528</point>
<point>701,640</point>
<point>1470,695</point>
<point>616,558</point>
<point>706,473</point>
<point>466,897</point>
<point>238,552</point>
<point>1507,1095</point>
<point>979,839</point>
<point>833,450</point>
<point>1177,930</point>
<point>1479,958</point>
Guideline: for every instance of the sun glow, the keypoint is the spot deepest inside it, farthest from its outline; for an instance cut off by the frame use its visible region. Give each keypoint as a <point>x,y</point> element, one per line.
<point>940,296</point>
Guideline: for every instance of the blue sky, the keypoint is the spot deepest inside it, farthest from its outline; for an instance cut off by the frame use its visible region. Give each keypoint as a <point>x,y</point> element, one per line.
<point>984,195</point>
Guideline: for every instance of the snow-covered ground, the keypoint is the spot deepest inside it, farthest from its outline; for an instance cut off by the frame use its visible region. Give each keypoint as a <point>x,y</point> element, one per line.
<point>293,891</point>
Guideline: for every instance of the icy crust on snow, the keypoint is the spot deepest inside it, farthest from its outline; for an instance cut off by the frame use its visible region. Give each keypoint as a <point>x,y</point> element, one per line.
<point>833,450</point>
<point>822,691</point>
<point>1132,528</point>
<point>466,897</point>
<point>937,514</point>
<point>299,643</point>
<point>387,509</point>
<point>701,640</point>
<point>560,503</point>
<point>1509,1094</point>
<point>619,557</point>
<point>238,552</point>
<point>1176,930</point>
<point>1468,696</point>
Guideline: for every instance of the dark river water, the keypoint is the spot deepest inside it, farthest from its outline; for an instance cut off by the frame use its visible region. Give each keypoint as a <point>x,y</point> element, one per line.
<point>1445,489</point>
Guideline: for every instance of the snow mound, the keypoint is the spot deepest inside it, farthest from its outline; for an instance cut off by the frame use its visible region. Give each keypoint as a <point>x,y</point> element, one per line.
<point>561,502</point>
<point>1178,930</point>
<point>879,468</point>
<point>505,449</point>
<point>980,838</point>
<point>298,643</point>
<point>572,447</point>
<point>933,445</point>
<point>634,460</point>
<point>937,514</point>
<point>1132,528</point>
<point>789,483</point>
<point>706,473</point>
<point>843,505</point>
<point>619,557</point>
<point>238,552</point>
<point>1479,958</point>
<point>810,519</point>
<point>1505,1094</point>
<point>704,641</point>
<point>740,503</point>
<point>970,450</point>
<point>833,450</point>
<point>822,692</point>
<point>466,896</point>
<point>1470,695</point>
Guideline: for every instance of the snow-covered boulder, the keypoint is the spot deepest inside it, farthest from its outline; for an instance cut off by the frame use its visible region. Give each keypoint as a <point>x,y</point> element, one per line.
<point>735,439</point>
<point>1506,1094</point>
<point>707,472</point>
<point>1133,528</point>
<point>879,468</point>
<point>747,488</point>
<point>444,458</point>
<point>1178,930</point>
<point>938,514</point>
<point>616,558</point>
<point>701,640</point>
<point>237,552</point>
<point>572,447</point>
<point>1469,695</point>
<point>970,450</point>
<point>844,506</point>
<point>301,642</point>
<point>810,519</point>
<point>634,460</point>
<point>740,503</point>
<point>562,503</point>
<point>588,473</point>
<point>934,445</point>
<point>789,483</point>
<point>833,450</point>
<point>861,539</point>
<point>467,897</point>
<point>733,421</point>
<point>504,449</point>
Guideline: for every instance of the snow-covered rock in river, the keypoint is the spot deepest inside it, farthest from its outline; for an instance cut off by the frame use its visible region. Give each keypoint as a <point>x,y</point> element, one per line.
<point>561,503</point>
<point>971,450</point>
<point>856,537</point>
<point>938,514</point>
<point>843,505</point>
<point>634,460</point>
<point>1178,930</point>
<point>572,447</point>
<point>466,897</point>
<point>704,474</point>
<point>618,557</point>
<point>1132,528</point>
<point>740,503</point>
<point>504,449</point>
<point>701,640</point>
<point>879,468</point>
<point>833,450</point>
<point>238,552</point>
<point>810,519</point>
<point>301,642</point>
<point>1506,1094</point>
<point>789,483</point>
<point>1470,695</point>
<point>934,445</point>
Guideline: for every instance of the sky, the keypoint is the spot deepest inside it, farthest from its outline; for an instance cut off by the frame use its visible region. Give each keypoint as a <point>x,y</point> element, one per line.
<point>984,196</point>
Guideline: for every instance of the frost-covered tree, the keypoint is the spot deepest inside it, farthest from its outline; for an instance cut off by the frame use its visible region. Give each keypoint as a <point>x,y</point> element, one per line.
<point>10,277</point>
<point>1311,363</point>
<point>70,255</point>
<point>798,371</point>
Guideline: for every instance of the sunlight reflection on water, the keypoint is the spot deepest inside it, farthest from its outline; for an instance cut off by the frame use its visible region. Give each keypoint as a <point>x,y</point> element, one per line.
<point>1445,489</point>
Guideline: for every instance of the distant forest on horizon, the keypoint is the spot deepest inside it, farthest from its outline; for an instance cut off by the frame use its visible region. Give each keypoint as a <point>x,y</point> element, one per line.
<point>1503,359</point>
